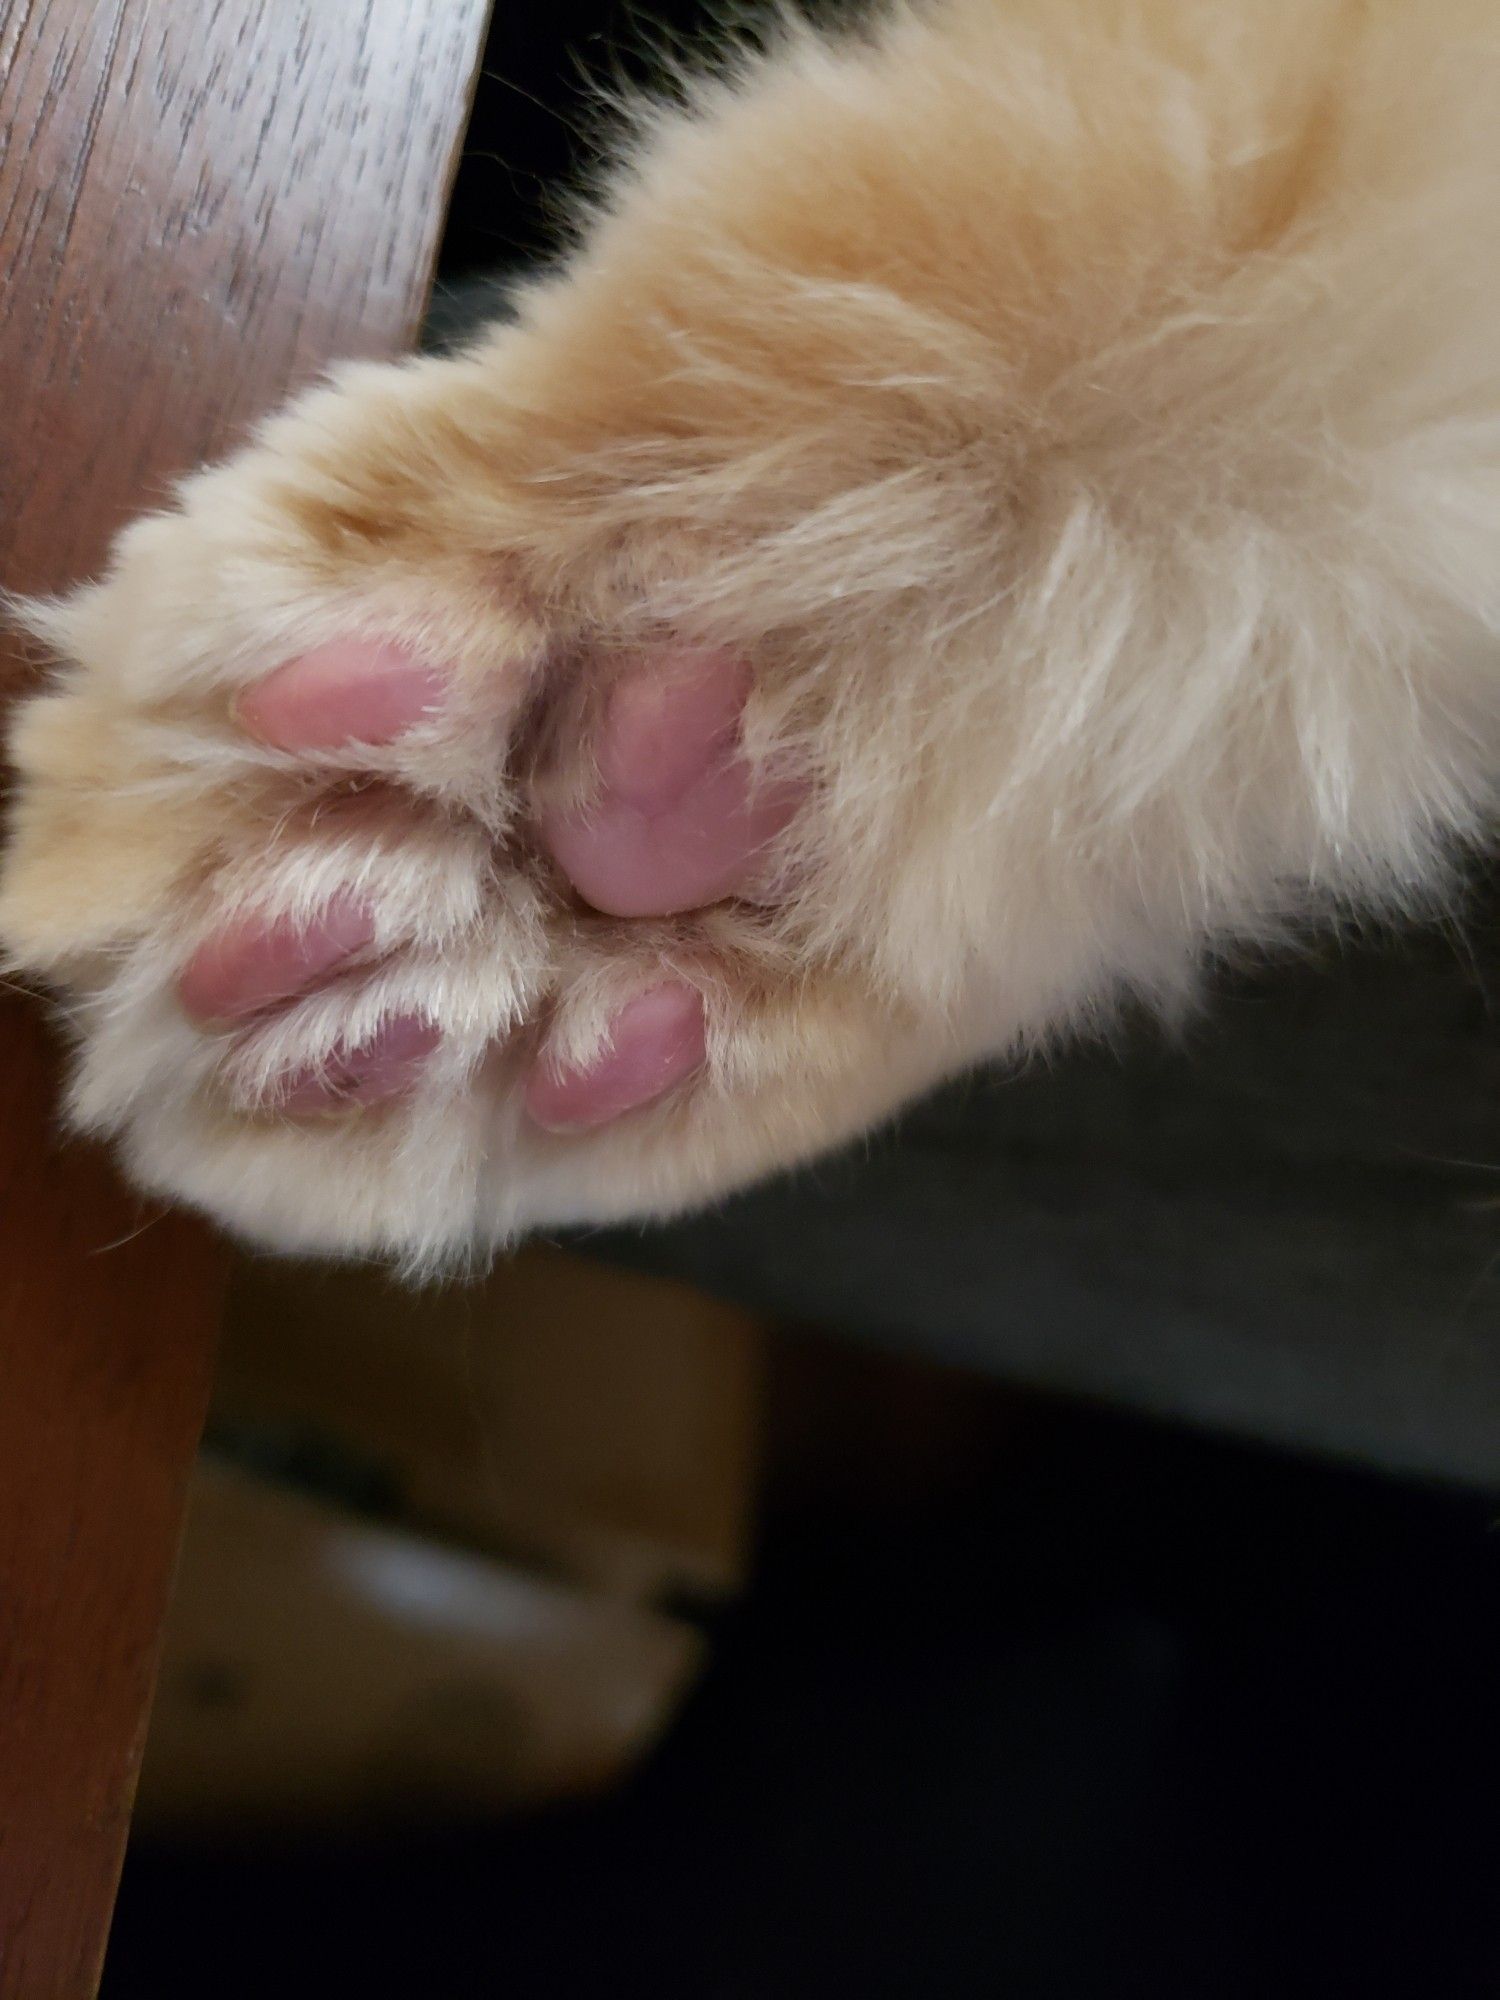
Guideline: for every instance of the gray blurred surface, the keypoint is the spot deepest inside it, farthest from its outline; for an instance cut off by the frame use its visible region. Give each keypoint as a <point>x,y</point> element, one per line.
<point>1286,1226</point>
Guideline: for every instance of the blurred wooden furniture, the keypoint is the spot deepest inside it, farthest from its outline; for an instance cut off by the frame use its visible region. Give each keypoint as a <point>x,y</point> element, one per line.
<point>328,1674</point>
<point>444,1548</point>
<point>595,1424</point>
<point>198,207</point>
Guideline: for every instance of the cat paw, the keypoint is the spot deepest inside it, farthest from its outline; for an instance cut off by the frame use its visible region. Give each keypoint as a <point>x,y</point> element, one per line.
<point>396,903</point>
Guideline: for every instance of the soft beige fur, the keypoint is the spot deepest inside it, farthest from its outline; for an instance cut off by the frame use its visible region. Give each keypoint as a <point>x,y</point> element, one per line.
<point>1086,414</point>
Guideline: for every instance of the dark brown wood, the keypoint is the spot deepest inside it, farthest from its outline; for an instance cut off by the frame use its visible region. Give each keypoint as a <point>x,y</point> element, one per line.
<point>199,205</point>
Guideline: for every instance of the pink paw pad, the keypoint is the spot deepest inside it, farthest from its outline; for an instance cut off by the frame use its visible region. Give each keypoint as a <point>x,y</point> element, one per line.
<point>254,962</point>
<point>349,691</point>
<point>677,825</point>
<point>385,1066</point>
<point>655,1041</point>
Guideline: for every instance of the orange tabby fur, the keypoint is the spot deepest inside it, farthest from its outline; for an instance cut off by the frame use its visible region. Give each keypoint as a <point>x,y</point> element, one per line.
<point>1086,417</point>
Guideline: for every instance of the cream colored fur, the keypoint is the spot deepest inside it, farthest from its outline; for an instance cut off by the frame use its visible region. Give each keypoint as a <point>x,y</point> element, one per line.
<point>1085,413</point>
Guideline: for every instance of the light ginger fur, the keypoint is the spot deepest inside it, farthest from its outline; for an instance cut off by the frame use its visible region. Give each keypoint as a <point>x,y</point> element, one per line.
<point>1086,416</point>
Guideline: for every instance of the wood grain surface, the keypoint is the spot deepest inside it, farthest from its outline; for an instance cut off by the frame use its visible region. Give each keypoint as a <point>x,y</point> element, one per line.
<point>199,206</point>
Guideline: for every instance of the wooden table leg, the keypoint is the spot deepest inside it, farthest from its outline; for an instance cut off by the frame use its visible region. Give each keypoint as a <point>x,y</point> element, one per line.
<point>198,207</point>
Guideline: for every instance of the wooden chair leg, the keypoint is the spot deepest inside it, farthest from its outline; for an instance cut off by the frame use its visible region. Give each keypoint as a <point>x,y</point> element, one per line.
<point>199,206</point>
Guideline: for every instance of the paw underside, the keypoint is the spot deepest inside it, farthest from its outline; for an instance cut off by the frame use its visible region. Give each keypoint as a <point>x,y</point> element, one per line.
<point>403,936</point>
